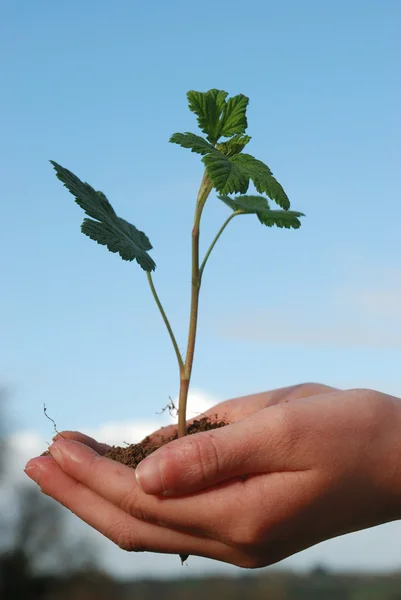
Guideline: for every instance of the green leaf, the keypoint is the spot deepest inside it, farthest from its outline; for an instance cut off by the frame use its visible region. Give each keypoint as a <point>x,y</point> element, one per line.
<point>234,146</point>
<point>225,175</point>
<point>234,116</point>
<point>247,203</point>
<point>108,229</point>
<point>262,178</point>
<point>259,206</point>
<point>288,219</point>
<point>195,143</point>
<point>120,237</point>
<point>217,116</point>
<point>208,107</point>
<point>94,203</point>
<point>231,175</point>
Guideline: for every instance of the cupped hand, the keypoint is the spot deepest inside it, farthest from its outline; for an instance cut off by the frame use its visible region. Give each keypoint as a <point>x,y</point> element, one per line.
<point>279,479</point>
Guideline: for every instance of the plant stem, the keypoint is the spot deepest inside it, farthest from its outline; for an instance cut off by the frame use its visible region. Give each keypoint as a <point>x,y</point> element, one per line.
<point>204,191</point>
<point>166,322</point>
<point>212,245</point>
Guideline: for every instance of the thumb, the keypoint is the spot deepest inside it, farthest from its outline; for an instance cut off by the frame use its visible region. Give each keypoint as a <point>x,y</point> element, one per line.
<point>199,461</point>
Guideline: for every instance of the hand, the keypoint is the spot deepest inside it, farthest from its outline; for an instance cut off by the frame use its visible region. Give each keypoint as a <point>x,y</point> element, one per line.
<point>318,467</point>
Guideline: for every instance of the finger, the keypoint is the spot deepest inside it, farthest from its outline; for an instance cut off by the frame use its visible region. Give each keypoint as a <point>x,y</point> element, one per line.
<point>240,408</point>
<point>296,392</point>
<point>124,530</point>
<point>259,444</point>
<point>100,448</point>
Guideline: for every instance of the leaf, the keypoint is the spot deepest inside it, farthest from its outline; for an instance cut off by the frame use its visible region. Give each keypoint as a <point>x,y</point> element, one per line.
<point>234,146</point>
<point>208,107</point>
<point>195,143</point>
<point>231,175</point>
<point>120,237</point>
<point>216,116</point>
<point>262,178</point>
<point>234,116</point>
<point>94,203</point>
<point>108,229</point>
<point>226,176</point>
<point>249,204</point>
<point>259,206</point>
<point>288,219</point>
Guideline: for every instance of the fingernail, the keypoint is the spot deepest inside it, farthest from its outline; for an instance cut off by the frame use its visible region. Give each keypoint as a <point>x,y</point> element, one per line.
<point>63,448</point>
<point>33,467</point>
<point>149,477</point>
<point>55,452</point>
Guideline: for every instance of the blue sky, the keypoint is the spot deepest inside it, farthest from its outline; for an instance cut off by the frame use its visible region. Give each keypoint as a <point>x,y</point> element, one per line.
<point>100,87</point>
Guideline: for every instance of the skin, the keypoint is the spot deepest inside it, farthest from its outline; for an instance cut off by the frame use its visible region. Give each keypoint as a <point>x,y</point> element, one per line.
<point>296,466</point>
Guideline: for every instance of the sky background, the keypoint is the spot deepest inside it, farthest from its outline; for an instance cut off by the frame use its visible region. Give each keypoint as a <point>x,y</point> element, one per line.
<point>99,87</point>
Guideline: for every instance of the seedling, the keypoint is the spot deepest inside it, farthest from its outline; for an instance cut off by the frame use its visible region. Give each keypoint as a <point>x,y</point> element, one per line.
<point>229,171</point>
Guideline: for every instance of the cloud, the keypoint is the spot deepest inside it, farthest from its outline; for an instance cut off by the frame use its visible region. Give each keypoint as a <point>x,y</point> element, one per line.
<point>279,327</point>
<point>384,303</point>
<point>362,314</point>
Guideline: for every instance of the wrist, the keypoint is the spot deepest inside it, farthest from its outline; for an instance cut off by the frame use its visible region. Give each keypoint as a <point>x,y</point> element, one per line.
<point>388,441</point>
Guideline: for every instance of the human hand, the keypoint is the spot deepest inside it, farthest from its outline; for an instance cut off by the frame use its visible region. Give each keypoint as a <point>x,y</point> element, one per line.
<point>316,468</point>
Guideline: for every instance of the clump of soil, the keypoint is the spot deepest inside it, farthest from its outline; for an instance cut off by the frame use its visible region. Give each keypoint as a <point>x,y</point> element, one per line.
<point>133,454</point>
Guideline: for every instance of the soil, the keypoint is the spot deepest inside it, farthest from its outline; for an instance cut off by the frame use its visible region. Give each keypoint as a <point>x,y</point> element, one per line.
<point>133,454</point>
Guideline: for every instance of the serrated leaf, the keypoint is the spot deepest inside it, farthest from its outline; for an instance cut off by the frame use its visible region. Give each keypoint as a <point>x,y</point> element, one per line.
<point>231,175</point>
<point>288,219</point>
<point>234,120</point>
<point>262,178</point>
<point>208,107</point>
<point>227,177</point>
<point>108,229</point>
<point>94,203</point>
<point>195,143</point>
<point>259,206</point>
<point>233,146</point>
<point>120,237</point>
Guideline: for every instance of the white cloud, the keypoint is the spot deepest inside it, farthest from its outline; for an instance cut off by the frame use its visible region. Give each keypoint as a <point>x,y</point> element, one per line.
<point>331,330</point>
<point>364,313</point>
<point>384,303</point>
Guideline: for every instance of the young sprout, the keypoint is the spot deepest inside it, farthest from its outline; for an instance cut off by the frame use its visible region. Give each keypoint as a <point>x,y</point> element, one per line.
<point>228,170</point>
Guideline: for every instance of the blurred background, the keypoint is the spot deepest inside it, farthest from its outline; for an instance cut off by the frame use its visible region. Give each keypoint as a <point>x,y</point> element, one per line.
<point>99,87</point>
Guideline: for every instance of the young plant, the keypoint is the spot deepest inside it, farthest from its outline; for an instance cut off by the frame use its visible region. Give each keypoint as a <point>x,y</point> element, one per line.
<point>228,170</point>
